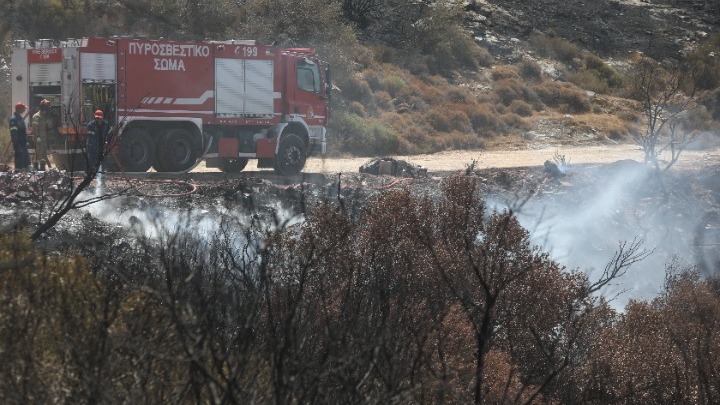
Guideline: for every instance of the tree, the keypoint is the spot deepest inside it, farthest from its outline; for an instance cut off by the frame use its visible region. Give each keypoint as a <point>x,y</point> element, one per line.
<point>666,105</point>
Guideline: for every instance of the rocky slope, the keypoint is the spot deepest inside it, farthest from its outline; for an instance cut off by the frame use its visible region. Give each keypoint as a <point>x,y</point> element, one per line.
<point>608,28</point>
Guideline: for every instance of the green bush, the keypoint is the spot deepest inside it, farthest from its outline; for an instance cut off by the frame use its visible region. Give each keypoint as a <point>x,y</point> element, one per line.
<point>374,79</point>
<point>363,137</point>
<point>5,145</point>
<point>357,109</point>
<point>355,88</point>
<point>704,64</point>
<point>555,47</point>
<point>393,85</point>
<point>711,101</point>
<point>439,35</point>
<point>608,74</point>
<point>415,140</point>
<point>589,80</point>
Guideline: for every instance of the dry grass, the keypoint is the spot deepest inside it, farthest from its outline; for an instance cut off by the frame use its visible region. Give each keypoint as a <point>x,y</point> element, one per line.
<point>411,112</point>
<point>564,96</point>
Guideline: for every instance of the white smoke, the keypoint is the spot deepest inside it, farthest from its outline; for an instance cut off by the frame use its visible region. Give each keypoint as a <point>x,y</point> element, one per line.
<point>582,229</point>
<point>153,219</point>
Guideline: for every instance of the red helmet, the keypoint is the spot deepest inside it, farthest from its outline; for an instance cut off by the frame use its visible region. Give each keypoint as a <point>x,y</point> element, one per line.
<point>99,114</point>
<point>20,106</point>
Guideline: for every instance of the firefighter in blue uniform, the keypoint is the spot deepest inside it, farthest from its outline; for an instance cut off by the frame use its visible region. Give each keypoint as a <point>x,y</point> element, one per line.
<point>97,136</point>
<point>18,134</point>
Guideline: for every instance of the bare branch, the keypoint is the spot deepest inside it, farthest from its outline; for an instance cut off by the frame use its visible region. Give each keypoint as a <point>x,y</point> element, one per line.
<point>624,257</point>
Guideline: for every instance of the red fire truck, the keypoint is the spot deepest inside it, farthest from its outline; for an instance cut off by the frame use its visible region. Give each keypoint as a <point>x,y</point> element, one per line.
<point>175,102</point>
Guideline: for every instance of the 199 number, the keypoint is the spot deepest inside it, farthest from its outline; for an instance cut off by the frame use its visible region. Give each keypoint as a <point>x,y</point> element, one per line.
<point>247,51</point>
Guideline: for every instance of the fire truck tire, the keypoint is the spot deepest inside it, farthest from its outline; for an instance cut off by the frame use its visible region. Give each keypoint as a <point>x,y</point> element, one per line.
<point>291,156</point>
<point>234,165</point>
<point>136,151</point>
<point>178,152</point>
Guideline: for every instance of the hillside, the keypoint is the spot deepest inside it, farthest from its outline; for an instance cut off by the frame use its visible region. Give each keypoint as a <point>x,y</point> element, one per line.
<point>609,28</point>
<point>421,77</point>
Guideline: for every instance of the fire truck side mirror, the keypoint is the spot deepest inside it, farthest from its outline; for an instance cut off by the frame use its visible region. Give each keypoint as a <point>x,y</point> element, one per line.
<point>328,84</point>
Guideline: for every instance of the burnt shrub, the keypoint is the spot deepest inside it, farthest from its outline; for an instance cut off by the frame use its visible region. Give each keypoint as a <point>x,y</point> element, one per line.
<point>462,140</point>
<point>355,88</point>
<point>503,72</point>
<point>485,119</point>
<point>513,121</point>
<point>383,100</point>
<point>563,95</point>
<point>508,90</point>
<point>357,109</point>
<point>521,108</point>
<point>439,120</point>
<point>448,117</point>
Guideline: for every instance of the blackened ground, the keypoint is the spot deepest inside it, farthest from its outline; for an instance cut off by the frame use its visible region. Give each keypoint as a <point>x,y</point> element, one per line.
<point>580,217</point>
<point>605,27</point>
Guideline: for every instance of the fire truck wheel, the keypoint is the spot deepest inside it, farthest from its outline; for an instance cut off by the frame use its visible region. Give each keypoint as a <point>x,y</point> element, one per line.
<point>136,150</point>
<point>290,159</point>
<point>178,152</point>
<point>233,166</point>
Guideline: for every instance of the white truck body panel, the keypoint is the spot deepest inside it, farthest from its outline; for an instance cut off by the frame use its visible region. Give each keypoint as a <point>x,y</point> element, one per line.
<point>244,87</point>
<point>19,71</point>
<point>98,68</point>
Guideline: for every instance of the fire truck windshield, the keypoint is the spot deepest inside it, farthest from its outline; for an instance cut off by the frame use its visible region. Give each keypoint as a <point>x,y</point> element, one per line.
<point>308,76</point>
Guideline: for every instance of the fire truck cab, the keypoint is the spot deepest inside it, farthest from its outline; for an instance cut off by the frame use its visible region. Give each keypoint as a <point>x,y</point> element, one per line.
<point>173,102</point>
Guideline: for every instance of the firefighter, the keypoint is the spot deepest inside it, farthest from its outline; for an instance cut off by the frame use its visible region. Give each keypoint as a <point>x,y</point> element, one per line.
<point>97,135</point>
<point>42,127</point>
<point>18,134</point>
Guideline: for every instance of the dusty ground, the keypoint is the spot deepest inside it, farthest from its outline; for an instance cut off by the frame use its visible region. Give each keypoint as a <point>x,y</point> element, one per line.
<point>459,160</point>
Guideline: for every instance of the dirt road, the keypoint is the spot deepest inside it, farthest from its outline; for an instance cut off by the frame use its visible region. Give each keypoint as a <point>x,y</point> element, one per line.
<point>458,160</point>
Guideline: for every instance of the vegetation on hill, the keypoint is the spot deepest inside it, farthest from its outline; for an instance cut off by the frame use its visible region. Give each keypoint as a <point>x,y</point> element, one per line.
<point>410,78</point>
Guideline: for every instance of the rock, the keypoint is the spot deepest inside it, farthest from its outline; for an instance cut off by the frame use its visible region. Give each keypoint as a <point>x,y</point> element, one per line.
<point>553,170</point>
<point>393,167</point>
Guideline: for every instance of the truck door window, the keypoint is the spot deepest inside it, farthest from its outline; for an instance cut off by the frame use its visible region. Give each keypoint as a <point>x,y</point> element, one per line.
<point>308,76</point>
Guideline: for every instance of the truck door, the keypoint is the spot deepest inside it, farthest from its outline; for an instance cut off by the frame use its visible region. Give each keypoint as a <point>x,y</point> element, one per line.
<point>308,95</point>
